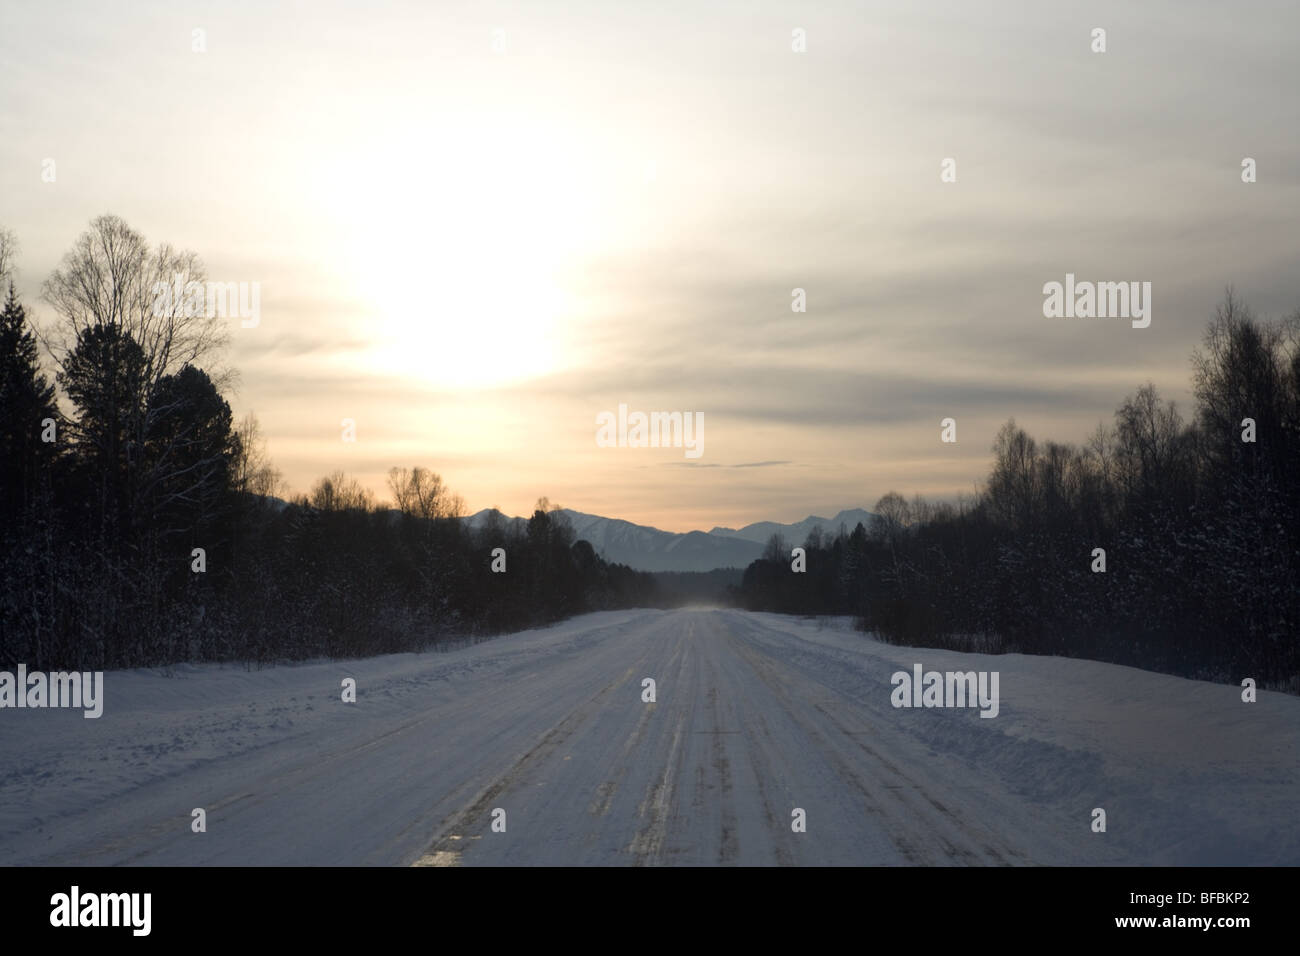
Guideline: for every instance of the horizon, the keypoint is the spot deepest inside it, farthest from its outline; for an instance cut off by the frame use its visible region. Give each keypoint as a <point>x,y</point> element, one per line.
<point>710,530</point>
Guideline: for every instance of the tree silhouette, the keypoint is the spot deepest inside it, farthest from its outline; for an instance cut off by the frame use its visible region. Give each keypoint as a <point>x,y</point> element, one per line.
<point>26,400</point>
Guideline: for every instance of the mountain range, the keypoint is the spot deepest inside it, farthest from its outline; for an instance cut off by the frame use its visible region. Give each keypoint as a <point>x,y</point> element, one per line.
<point>650,549</point>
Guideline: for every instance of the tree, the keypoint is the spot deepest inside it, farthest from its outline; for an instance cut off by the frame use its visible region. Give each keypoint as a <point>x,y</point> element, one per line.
<point>251,470</point>
<point>339,492</point>
<point>8,252</point>
<point>26,400</point>
<point>1150,446</point>
<point>776,548</point>
<point>110,277</point>
<point>421,493</point>
<point>190,452</point>
<point>1012,491</point>
<point>890,516</point>
<point>1241,371</point>
<point>104,376</point>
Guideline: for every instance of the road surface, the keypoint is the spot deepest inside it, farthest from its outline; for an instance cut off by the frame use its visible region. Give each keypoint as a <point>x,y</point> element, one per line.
<point>759,723</point>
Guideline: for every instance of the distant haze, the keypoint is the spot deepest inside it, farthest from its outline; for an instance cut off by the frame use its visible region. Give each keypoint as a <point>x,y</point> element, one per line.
<point>651,549</point>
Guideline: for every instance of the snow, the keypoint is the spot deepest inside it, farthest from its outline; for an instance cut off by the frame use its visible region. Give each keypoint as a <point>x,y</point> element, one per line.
<point>755,715</point>
<point>647,549</point>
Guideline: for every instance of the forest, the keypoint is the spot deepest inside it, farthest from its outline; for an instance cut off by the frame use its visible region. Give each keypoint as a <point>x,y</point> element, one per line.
<point>1164,541</point>
<point>143,525</point>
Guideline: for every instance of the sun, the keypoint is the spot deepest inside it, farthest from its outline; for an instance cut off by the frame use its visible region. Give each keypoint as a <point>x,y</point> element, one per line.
<point>464,243</point>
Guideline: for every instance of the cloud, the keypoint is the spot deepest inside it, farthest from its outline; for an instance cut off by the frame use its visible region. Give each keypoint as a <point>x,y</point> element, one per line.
<point>775,171</point>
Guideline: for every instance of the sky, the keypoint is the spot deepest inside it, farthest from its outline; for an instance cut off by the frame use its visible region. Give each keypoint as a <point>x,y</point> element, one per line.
<point>475,227</point>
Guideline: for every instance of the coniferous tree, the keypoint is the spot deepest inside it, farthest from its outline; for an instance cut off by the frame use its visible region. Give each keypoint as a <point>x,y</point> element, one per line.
<point>26,403</point>
<point>105,377</point>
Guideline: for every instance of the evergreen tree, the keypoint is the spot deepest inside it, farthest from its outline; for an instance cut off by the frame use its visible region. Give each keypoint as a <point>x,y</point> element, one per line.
<point>190,451</point>
<point>26,401</point>
<point>105,376</point>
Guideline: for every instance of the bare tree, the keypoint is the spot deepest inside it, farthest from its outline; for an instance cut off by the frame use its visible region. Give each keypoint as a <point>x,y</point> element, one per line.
<point>338,492</point>
<point>776,548</point>
<point>815,540</point>
<point>421,493</point>
<point>891,515</point>
<point>1149,443</point>
<point>1012,486</point>
<point>111,277</point>
<point>1241,371</point>
<point>8,254</point>
<point>252,469</point>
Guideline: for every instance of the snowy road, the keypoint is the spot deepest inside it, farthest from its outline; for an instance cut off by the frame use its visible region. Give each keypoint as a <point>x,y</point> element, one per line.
<point>756,715</point>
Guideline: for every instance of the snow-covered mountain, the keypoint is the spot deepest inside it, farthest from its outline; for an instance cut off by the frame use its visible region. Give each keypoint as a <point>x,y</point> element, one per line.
<point>797,533</point>
<point>650,549</point>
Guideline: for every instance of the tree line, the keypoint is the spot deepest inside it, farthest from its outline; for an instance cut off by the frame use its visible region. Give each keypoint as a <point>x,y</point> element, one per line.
<point>1163,541</point>
<point>143,525</point>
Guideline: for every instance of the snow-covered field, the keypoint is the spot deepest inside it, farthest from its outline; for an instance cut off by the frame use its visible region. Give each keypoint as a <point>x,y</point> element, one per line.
<point>756,715</point>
